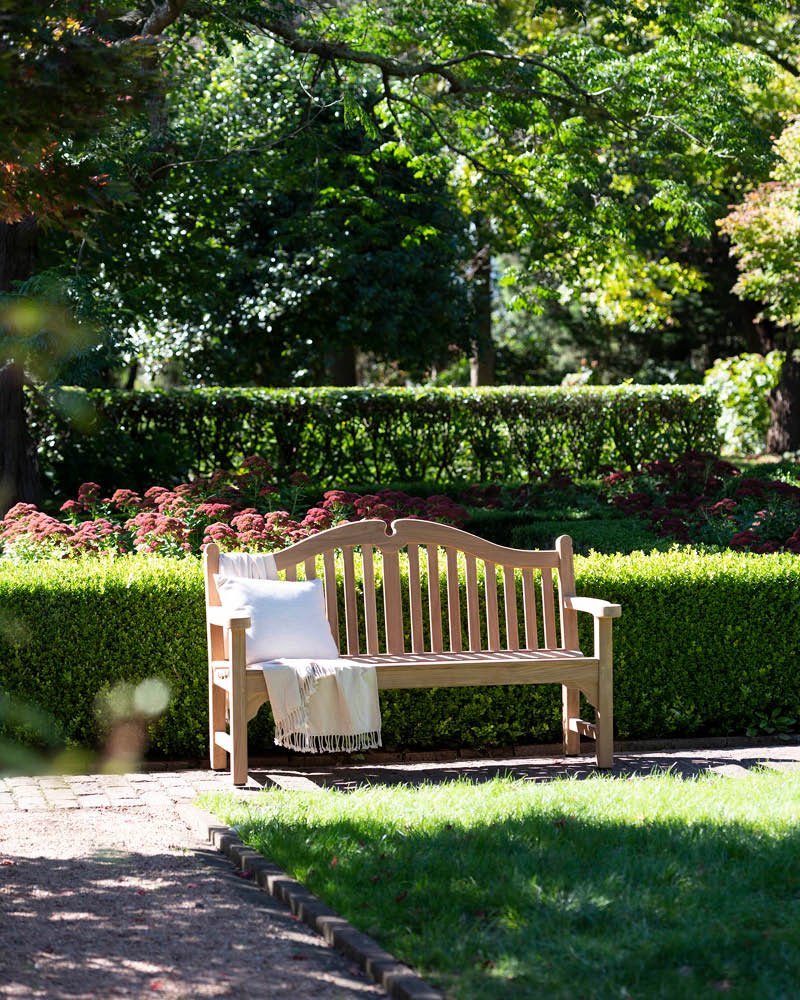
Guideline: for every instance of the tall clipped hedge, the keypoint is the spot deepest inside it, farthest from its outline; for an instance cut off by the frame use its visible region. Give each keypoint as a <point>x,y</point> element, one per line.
<point>346,436</point>
<point>706,645</point>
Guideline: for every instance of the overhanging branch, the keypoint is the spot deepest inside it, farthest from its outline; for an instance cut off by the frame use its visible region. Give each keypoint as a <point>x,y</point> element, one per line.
<point>163,16</point>
<point>398,69</point>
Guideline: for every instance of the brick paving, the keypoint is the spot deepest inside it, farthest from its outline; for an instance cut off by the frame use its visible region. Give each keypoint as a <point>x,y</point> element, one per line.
<point>99,791</point>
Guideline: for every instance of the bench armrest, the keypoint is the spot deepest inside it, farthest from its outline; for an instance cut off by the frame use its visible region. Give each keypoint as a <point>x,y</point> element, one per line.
<point>226,618</point>
<point>595,606</point>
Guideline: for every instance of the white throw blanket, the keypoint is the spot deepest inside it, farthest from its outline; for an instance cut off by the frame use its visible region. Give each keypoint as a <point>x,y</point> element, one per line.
<point>252,565</point>
<point>324,706</point>
<point>319,706</point>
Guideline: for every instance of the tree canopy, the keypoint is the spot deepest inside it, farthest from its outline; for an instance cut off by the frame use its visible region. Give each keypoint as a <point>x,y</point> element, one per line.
<point>545,108</point>
<point>595,139</point>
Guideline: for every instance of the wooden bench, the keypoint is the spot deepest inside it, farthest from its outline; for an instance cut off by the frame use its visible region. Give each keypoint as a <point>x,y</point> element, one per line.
<point>414,636</point>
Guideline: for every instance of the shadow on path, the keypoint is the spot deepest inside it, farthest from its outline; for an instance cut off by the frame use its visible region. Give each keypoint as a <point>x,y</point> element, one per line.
<point>688,764</point>
<point>112,923</point>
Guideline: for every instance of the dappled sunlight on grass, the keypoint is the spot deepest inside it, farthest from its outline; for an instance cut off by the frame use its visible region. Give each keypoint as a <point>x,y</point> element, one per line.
<point>647,887</point>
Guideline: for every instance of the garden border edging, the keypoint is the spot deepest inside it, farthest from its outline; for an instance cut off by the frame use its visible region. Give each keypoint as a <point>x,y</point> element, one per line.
<point>397,979</point>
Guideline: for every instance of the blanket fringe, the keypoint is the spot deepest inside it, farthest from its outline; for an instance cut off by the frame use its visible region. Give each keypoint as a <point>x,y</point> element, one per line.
<point>329,743</point>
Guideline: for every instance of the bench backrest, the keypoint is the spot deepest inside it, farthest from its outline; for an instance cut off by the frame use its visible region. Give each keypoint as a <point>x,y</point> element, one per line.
<point>513,588</point>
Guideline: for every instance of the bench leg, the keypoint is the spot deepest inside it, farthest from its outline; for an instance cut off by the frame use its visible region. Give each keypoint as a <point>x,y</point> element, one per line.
<point>216,724</point>
<point>605,701</point>
<point>570,709</point>
<point>238,708</point>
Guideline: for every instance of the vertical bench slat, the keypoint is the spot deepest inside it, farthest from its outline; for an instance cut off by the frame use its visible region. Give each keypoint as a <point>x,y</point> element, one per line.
<point>510,601</point>
<point>311,568</point>
<point>392,603</point>
<point>473,612</point>
<point>453,601</point>
<point>529,606</point>
<point>490,588</point>
<point>434,598</point>
<point>370,604</point>
<point>291,571</point>
<point>350,604</point>
<point>331,604</point>
<point>566,588</point>
<point>548,610</point>
<point>415,600</point>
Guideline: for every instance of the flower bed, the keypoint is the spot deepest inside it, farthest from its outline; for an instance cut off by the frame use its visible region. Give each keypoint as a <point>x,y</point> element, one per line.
<point>702,499</point>
<point>697,499</point>
<point>243,510</point>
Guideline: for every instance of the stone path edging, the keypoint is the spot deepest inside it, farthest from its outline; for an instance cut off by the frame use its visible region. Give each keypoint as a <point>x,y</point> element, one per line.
<point>399,982</point>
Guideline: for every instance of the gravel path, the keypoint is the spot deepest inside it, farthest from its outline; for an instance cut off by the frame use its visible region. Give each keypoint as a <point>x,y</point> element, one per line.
<point>109,902</point>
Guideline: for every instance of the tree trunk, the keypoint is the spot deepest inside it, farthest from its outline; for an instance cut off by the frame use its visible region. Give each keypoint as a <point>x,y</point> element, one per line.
<point>340,366</point>
<point>19,470</point>
<point>784,405</point>
<point>482,361</point>
<point>17,251</point>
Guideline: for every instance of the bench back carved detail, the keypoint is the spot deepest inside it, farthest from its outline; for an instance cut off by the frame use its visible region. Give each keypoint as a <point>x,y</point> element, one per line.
<point>402,589</point>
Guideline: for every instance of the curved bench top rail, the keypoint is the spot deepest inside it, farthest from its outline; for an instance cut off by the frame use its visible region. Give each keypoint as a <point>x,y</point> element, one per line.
<point>434,618</point>
<point>409,531</point>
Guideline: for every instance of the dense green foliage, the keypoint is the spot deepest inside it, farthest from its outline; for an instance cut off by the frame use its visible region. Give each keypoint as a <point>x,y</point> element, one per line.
<point>703,645</point>
<point>345,436</point>
<point>654,886</point>
<point>690,653</point>
<point>607,535</point>
<point>286,238</point>
<point>742,385</point>
<point>70,631</point>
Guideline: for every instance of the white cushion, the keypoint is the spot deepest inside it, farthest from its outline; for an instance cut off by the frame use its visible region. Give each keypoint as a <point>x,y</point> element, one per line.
<point>287,617</point>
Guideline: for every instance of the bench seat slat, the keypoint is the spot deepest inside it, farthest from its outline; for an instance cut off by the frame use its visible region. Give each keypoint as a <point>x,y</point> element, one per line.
<point>581,673</point>
<point>429,670</point>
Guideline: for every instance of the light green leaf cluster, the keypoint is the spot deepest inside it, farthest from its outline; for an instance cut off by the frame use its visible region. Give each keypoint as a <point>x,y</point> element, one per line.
<point>742,385</point>
<point>632,290</point>
<point>765,234</point>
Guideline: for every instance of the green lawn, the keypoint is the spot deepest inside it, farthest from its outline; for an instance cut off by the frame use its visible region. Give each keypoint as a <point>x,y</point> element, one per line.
<point>652,887</point>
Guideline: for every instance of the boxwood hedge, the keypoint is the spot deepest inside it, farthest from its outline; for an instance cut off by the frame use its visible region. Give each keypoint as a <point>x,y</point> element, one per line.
<point>706,645</point>
<point>345,436</point>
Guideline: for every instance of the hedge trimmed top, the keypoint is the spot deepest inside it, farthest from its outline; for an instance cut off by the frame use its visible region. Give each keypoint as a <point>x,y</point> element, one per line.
<point>367,435</point>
